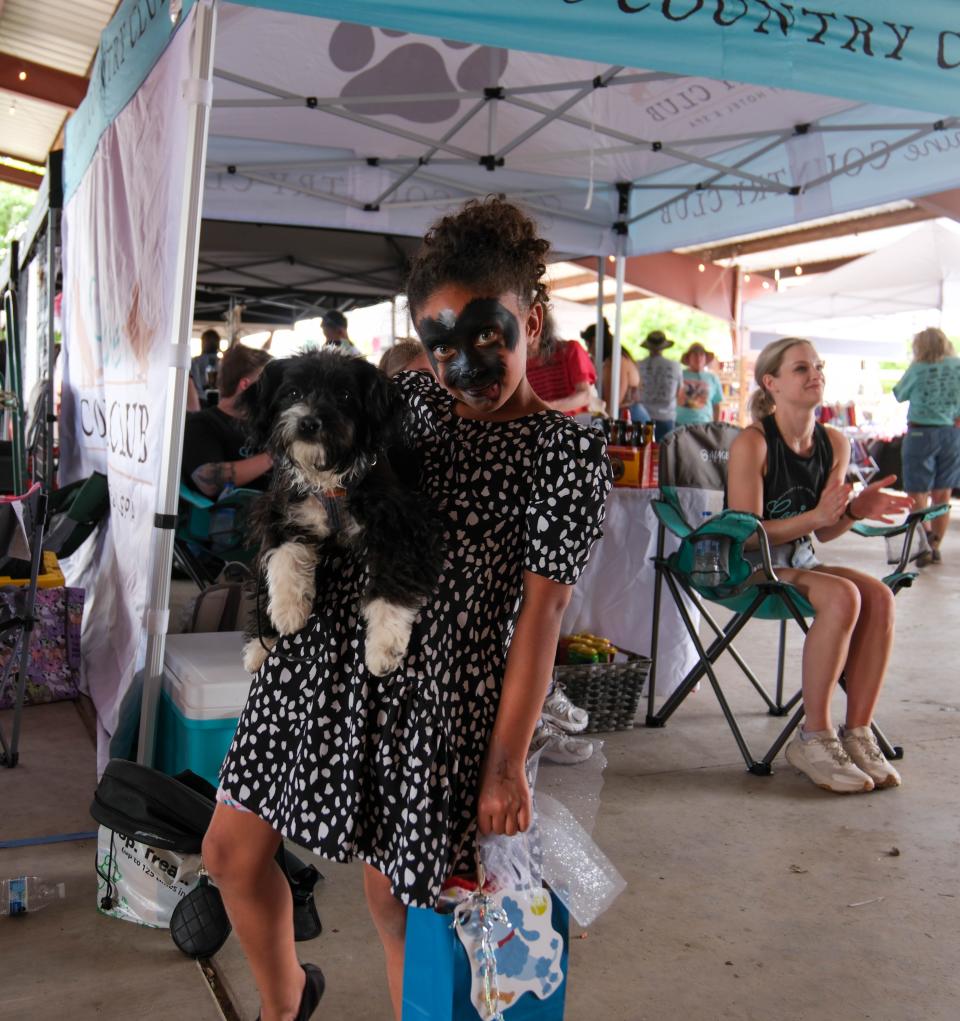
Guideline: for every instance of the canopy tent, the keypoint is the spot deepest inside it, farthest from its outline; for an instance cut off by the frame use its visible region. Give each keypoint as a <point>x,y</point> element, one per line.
<point>623,127</point>
<point>921,272</point>
<point>282,273</point>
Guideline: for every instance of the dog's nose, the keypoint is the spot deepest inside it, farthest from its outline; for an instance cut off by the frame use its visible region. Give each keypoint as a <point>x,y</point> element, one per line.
<point>309,426</point>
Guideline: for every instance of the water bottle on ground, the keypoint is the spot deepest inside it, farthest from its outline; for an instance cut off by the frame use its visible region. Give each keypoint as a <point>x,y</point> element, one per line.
<point>28,893</point>
<point>707,568</point>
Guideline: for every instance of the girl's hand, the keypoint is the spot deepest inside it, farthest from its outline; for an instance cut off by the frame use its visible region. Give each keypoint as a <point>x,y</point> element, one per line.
<point>876,505</point>
<point>833,502</point>
<point>504,805</point>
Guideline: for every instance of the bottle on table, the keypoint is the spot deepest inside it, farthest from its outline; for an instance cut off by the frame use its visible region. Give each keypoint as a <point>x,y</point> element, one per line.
<point>28,893</point>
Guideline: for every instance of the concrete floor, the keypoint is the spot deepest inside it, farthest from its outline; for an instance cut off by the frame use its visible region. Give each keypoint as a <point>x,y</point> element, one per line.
<point>748,898</point>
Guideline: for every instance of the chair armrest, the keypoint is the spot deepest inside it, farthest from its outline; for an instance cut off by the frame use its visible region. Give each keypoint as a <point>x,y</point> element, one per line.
<point>194,498</point>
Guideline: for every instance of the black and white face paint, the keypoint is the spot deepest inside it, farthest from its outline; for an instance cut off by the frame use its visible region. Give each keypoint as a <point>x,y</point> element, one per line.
<point>465,350</point>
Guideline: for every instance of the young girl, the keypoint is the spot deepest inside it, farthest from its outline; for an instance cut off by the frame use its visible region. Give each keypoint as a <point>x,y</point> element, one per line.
<point>403,771</point>
<point>791,471</point>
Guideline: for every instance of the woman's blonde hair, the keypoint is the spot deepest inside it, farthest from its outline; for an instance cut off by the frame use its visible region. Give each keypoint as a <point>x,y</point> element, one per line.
<point>395,359</point>
<point>768,364</point>
<point>931,345</point>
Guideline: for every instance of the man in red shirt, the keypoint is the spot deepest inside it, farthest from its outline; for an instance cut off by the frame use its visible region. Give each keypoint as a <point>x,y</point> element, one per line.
<point>560,371</point>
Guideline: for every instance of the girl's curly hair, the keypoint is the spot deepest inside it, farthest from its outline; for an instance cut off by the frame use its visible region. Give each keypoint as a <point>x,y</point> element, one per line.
<point>490,245</point>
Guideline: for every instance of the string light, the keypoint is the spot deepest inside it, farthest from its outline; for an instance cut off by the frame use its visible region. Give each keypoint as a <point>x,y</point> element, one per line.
<point>611,258</point>
<point>766,285</point>
<point>22,76</point>
<point>798,271</point>
<point>776,275</point>
<point>746,278</point>
<point>702,268</point>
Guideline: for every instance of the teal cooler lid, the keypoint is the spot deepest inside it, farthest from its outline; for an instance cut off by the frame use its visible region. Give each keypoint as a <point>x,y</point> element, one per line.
<point>204,675</point>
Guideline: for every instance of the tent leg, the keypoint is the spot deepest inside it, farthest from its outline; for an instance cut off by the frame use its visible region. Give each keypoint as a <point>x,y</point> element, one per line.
<point>613,403</point>
<point>188,242</point>
<point>598,338</point>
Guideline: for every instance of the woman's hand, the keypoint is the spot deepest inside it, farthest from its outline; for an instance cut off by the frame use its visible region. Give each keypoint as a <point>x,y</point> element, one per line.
<point>877,505</point>
<point>832,504</point>
<point>504,805</point>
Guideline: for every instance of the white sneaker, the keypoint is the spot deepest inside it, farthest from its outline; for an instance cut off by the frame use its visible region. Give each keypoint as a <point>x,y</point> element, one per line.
<point>822,758</point>
<point>560,712</point>
<point>860,744</point>
<point>559,747</point>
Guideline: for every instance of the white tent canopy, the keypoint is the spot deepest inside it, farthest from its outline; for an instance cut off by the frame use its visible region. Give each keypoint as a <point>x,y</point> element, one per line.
<point>625,128</point>
<point>920,272</point>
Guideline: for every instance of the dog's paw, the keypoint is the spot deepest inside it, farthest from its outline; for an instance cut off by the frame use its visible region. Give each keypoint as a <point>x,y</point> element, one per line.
<point>290,585</point>
<point>255,653</point>
<point>388,634</point>
<point>289,616</point>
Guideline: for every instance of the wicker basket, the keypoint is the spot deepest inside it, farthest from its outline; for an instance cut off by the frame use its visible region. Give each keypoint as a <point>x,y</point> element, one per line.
<point>610,692</point>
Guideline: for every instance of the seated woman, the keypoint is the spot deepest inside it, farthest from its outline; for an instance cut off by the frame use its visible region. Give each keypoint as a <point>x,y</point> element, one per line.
<point>790,471</point>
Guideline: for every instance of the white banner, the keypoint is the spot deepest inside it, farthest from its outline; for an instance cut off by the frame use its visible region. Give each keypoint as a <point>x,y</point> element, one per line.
<point>121,276</point>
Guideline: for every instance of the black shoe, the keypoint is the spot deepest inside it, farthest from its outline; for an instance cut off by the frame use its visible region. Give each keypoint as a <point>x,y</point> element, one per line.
<point>312,992</point>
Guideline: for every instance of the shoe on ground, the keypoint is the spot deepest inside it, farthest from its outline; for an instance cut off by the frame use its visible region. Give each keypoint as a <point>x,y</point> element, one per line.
<point>823,759</point>
<point>931,555</point>
<point>860,744</point>
<point>560,748</point>
<point>561,713</point>
<point>312,992</point>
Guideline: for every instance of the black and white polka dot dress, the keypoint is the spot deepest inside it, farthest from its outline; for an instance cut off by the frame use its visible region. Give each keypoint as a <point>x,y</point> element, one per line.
<point>387,769</point>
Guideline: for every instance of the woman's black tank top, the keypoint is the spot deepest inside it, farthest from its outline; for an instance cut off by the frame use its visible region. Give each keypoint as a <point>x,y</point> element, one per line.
<point>793,484</point>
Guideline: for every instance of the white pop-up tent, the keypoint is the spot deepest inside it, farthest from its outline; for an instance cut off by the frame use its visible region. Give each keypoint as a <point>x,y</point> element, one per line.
<point>920,272</point>
<point>624,127</point>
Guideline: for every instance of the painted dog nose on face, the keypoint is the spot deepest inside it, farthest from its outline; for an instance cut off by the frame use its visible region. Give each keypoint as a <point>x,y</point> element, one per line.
<point>309,426</point>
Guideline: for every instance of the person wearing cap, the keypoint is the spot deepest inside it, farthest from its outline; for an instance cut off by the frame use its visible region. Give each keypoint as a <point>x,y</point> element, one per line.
<point>629,373</point>
<point>334,326</point>
<point>660,379</point>
<point>700,393</point>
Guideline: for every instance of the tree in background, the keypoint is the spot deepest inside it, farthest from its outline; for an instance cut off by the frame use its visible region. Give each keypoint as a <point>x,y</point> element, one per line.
<point>682,324</point>
<point>15,206</point>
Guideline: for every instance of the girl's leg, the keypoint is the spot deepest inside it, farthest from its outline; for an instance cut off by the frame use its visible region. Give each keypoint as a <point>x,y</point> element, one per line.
<point>870,645</point>
<point>836,602</point>
<point>390,918</point>
<point>238,852</point>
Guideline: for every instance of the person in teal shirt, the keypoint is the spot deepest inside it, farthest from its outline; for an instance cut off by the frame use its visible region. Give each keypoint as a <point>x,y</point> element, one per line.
<point>931,447</point>
<point>700,393</point>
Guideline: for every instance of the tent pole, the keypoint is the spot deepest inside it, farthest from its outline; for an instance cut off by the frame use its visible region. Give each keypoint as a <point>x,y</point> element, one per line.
<point>615,355</point>
<point>739,346</point>
<point>188,241</point>
<point>598,336</point>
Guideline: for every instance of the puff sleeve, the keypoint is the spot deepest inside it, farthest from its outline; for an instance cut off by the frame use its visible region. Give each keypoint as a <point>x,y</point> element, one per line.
<point>565,514</point>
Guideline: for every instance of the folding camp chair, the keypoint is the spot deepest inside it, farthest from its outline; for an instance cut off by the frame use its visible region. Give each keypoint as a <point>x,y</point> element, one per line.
<point>75,512</point>
<point>213,533</point>
<point>21,547</point>
<point>696,457</point>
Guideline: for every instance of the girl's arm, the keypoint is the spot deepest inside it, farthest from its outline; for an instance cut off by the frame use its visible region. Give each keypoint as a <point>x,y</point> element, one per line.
<point>504,804</point>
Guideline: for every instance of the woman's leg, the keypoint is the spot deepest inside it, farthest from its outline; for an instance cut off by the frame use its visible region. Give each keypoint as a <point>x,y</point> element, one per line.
<point>238,852</point>
<point>870,645</point>
<point>390,918</point>
<point>836,602</point>
<point>937,527</point>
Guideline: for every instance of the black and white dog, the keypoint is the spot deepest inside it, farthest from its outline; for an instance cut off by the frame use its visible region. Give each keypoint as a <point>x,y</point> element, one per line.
<point>328,419</point>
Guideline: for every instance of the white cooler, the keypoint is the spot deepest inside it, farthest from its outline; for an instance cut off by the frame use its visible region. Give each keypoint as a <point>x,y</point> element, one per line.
<point>204,690</point>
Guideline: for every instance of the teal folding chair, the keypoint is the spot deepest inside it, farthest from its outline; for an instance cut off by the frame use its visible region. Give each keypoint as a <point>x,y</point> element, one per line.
<point>211,534</point>
<point>696,457</point>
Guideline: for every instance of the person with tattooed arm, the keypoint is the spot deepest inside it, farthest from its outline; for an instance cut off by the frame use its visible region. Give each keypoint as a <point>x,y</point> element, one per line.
<point>215,452</point>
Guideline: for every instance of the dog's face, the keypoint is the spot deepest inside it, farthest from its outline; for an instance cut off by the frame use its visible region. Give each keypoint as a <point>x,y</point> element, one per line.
<point>323,416</point>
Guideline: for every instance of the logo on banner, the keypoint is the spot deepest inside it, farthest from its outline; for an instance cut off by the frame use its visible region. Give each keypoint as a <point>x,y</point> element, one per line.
<point>850,32</point>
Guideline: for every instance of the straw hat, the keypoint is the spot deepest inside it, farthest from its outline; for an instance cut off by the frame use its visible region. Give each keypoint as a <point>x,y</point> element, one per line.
<point>657,341</point>
<point>697,348</point>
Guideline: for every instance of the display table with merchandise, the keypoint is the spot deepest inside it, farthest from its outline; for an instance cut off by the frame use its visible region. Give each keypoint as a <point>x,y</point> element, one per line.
<point>614,596</point>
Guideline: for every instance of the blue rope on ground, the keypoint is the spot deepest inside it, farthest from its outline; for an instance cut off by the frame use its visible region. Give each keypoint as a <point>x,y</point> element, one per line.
<point>34,841</point>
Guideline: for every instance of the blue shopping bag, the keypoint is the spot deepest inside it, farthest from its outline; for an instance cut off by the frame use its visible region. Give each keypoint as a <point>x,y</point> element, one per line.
<point>437,978</point>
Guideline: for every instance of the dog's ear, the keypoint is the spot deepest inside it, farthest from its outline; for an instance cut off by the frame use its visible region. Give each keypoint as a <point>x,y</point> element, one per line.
<point>256,402</point>
<point>385,408</point>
